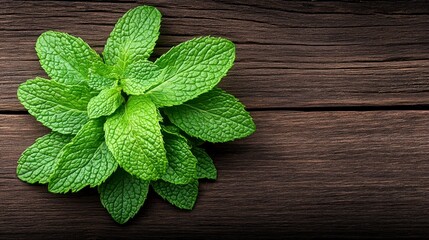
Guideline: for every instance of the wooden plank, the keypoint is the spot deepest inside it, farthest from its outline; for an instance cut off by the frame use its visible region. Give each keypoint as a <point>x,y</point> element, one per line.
<point>289,54</point>
<point>308,174</point>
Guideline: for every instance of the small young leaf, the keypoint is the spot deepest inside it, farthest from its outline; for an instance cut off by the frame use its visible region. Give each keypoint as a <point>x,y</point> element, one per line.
<point>133,135</point>
<point>181,162</point>
<point>105,103</point>
<point>85,161</point>
<point>102,76</point>
<point>65,58</point>
<point>38,161</point>
<point>182,196</point>
<point>133,37</point>
<point>123,195</point>
<point>215,116</point>
<point>139,76</point>
<point>192,68</point>
<point>60,107</point>
<point>205,166</point>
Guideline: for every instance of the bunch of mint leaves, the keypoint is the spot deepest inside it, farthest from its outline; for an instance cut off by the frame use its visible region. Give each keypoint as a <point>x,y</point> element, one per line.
<point>123,123</point>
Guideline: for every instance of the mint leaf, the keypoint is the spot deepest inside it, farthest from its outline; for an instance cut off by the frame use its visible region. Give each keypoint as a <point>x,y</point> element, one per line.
<point>192,68</point>
<point>139,76</point>
<point>193,141</point>
<point>159,115</point>
<point>105,103</point>
<point>65,58</point>
<point>133,37</point>
<point>60,107</point>
<point>102,76</point>
<point>133,135</point>
<point>181,162</point>
<point>38,161</point>
<point>171,130</point>
<point>215,116</point>
<point>123,195</point>
<point>205,166</point>
<point>85,161</point>
<point>182,196</point>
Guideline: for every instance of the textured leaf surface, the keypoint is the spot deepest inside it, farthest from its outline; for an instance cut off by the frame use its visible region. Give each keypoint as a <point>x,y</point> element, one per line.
<point>181,162</point>
<point>57,106</point>
<point>133,37</point>
<point>102,76</point>
<point>182,196</point>
<point>170,129</point>
<point>139,76</point>
<point>192,68</point>
<point>205,166</point>
<point>85,161</point>
<point>105,103</point>
<point>215,116</point>
<point>133,135</point>
<point>123,195</point>
<point>37,162</point>
<point>65,58</point>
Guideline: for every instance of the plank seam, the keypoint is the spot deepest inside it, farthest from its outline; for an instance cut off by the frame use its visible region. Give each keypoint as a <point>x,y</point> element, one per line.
<point>363,108</point>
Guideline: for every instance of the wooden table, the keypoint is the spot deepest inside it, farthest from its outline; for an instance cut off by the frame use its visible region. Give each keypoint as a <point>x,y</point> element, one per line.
<point>339,93</point>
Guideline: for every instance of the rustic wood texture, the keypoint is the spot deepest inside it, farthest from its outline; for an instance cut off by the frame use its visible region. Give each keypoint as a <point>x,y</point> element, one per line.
<point>301,174</point>
<point>311,170</point>
<point>289,54</point>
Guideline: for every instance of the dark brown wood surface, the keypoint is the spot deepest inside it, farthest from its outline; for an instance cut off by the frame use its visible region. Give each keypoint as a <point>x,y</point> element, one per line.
<point>340,95</point>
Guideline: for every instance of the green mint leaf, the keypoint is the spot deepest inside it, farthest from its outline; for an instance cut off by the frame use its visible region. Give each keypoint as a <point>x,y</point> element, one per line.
<point>102,76</point>
<point>205,166</point>
<point>133,37</point>
<point>181,162</point>
<point>105,103</point>
<point>215,116</point>
<point>85,161</point>
<point>192,68</point>
<point>139,76</point>
<point>182,196</point>
<point>60,107</point>
<point>37,162</point>
<point>159,115</point>
<point>171,130</point>
<point>123,195</point>
<point>65,58</point>
<point>193,141</point>
<point>133,135</point>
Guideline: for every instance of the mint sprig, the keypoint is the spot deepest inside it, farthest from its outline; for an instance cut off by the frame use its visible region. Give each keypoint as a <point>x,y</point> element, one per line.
<point>123,123</point>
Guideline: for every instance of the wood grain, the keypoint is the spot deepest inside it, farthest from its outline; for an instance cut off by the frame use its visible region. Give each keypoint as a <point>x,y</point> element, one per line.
<point>289,54</point>
<point>317,173</point>
<point>303,174</point>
